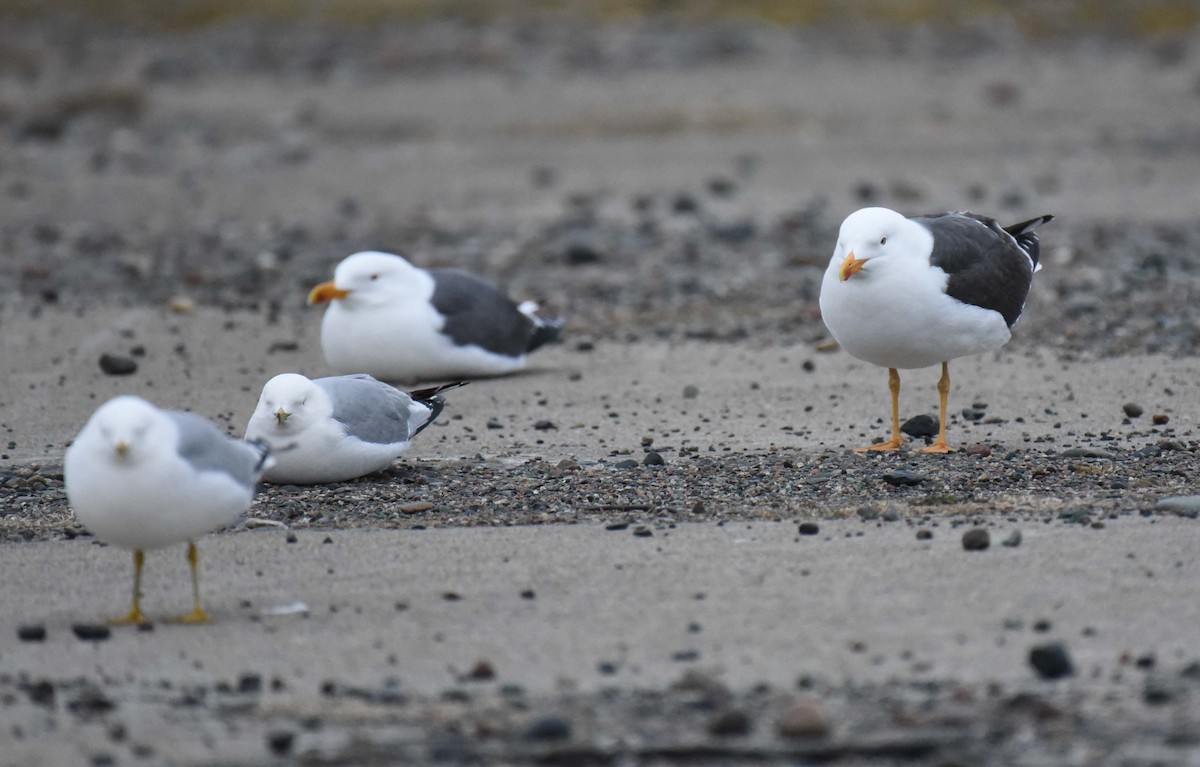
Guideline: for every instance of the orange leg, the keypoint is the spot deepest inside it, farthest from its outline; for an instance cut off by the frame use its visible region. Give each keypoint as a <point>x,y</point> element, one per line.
<point>939,445</point>
<point>135,613</point>
<point>896,441</point>
<point>198,613</point>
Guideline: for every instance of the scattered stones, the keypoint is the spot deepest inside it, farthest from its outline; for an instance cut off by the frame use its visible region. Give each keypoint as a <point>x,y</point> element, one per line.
<point>976,539</point>
<point>1012,540</point>
<point>34,632</point>
<point>903,477</point>
<point>91,632</point>
<point>116,365</point>
<point>1133,410</point>
<point>809,528</point>
<point>1051,661</point>
<point>803,719</point>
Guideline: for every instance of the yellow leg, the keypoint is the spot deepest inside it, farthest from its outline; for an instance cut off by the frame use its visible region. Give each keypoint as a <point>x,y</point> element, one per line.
<point>135,613</point>
<point>198,614</point>
<point>896,441</point>
<point>939,445</point>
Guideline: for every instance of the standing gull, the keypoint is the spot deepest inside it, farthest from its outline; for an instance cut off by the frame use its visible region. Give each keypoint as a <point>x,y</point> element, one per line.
<point>143,478</point>
<point>912,292</point>
<point>397,322</point>
<point>338,428</point>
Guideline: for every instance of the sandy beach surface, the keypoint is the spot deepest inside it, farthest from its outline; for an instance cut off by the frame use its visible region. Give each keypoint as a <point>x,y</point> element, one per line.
<point>654,546</point>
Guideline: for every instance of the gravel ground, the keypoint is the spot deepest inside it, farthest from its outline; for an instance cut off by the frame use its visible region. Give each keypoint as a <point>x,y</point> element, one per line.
<point>673,190</point>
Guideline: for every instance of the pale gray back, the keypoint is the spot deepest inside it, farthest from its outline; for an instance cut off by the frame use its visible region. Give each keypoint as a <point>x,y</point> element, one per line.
<point>370,410</point>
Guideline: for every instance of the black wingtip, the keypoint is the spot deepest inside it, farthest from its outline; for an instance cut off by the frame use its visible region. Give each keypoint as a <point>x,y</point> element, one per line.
<point>544,332</point>
<point>432,399</point>
<point>1016,230</point>
<point>264,454</point>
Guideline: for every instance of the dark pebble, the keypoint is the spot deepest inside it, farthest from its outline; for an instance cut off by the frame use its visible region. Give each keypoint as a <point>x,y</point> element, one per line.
<point>924,535</point>
<point>1042,626</point>
<point>866,513</point>
<point>731,723</point>
<point>641,531</point>
<point>1160,419</point>
<point>976,539</point>
<point>628,463</point>
<point>691,392</point>
<point>482,672</point>
<point>115,365</point>
<point>973,413</point>
<point>607,668</point>
<point>979,450</point>
<point>544,425</point>
<point>91,631</point>
<point>616,526</point>
<point>528,594</point>
<point>685,656</point>
<point>903,477</point>
<point>920,426</point>
<point>291,537</point>
<point>1147,661</point>
<point>41,693</point>
<point>1132,409</point>
<point>280,742</point>
<point>32,633</point>
<point>653,459</point>
<point>548,728</point>
<point>1051,661</point>
<point>809,528</point>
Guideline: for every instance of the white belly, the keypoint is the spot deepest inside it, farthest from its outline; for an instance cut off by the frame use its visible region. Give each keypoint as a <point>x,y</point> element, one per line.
<point>403,343</point>
<point>898,321</point>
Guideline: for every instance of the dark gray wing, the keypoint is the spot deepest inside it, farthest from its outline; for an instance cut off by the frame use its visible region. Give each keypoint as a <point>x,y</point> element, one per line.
<point>987,266</point>
<point>204,447</point>
<point>477,312</point>
<point>368,409</point>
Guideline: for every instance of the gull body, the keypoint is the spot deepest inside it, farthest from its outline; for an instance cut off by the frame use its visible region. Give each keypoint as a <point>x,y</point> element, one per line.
<point>907,293</point>
<point>337,428</point>
<point>142,478</point>
<point>397,322</point>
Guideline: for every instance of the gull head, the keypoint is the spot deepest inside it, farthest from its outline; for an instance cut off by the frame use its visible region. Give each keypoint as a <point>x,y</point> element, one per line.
<point>289,404</point>
<point>127,430</point>
<point>872,233</point>
<point>369,278</point>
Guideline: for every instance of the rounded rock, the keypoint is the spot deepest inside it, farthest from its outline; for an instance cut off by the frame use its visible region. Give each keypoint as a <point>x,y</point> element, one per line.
<point>976,539</point>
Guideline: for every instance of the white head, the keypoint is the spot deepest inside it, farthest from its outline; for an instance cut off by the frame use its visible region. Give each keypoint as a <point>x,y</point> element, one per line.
<point>371,278</point>
<point>288,405</point>
<point>127,430</point>
<point>873,233</point>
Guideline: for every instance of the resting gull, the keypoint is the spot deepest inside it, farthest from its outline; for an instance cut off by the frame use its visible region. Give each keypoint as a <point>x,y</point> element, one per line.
<point>400,323</point>
<point>337,428</point>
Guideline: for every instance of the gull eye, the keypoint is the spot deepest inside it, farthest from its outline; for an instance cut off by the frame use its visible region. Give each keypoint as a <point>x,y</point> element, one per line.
<point>883,241</point>
<point>374,277</point>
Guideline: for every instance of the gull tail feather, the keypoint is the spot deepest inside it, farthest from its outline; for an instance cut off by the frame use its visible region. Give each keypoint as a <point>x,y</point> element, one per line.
<point>432,399</point>
<point>1027,239</point>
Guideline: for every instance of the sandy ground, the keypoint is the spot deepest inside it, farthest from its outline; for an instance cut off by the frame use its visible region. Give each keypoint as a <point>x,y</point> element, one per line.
<point>480,631</point>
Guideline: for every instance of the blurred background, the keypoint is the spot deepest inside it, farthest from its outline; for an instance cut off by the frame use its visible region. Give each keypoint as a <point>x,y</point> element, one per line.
<point>664,169</point>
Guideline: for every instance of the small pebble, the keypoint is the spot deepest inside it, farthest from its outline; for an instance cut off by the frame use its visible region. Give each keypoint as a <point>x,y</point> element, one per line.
<point>731,723</point>
<point>1160,419</point>
<point>976,539</point>
<point>924,535</point>
<point>280,742</point>
<point>979,450</point>
<point>1132,409</point>
<point>31,633</point>
<point>653,459</point>
<point>903,477</point>
<point>415,507</point>
<point>90,631</point>
<point>809,528</point>
<point>1051,661</point>
<point>691,392</point>
<point>1012,540</point>
<point>548,728</point>
<point>920,426</point>
<point>115,365</point>
<point>803,719</point>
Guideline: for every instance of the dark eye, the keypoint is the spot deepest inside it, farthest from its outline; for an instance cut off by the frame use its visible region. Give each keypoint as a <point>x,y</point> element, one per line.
<point>883,241</point>
<point>374,277</point>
